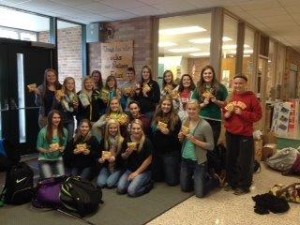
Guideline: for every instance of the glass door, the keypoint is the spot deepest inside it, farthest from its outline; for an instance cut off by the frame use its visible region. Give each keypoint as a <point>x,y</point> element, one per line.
<point>21,64</point>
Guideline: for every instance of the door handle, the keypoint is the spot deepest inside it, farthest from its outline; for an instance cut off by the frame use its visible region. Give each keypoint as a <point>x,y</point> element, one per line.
<point>12,104</point>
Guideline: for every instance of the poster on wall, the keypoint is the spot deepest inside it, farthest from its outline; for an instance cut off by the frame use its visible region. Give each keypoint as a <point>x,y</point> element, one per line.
<point>281,116</point>
<point>116,57</point>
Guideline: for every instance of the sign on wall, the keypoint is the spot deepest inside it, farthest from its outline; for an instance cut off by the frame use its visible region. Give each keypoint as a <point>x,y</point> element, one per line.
<point>116,57</point>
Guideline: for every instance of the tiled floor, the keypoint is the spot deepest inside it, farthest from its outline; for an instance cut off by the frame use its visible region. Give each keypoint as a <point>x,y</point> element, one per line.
<point>224,208</point>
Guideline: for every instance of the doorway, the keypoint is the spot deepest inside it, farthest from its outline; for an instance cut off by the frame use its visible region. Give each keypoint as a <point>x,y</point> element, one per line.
<point>21,64</point>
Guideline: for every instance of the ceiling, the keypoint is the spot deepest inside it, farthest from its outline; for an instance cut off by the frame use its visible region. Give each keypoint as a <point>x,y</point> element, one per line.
<point>279,19</point>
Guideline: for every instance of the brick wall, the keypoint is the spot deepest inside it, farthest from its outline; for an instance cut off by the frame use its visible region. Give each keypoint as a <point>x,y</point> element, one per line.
<point>139,30</point>
<point>69,53</point>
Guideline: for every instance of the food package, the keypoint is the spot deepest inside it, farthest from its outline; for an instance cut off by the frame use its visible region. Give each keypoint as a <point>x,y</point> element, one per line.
<point>54,146</point>
<point>31,87</point>
<point>106,155</point>
<point>230,107</point>
<point>185,130</point>
<point>207,95</point>
<point>174,94</point>
<point>162,125</point>
<point>104,95</point>
<point>146,88</point>
<point>132,145</point>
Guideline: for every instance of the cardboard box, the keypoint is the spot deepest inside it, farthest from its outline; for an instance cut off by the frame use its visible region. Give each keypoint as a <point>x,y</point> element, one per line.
<point>258,145</point>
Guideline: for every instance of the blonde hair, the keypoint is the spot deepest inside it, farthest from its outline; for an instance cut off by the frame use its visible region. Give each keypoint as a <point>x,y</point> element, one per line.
<point>65,83</point>
<point>191,102</point>
<point>119,137</point>
<point>143,138</point>
<point>84,81</point>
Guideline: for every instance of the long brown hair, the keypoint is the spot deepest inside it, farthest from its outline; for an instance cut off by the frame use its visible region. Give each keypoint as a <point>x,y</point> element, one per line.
<point>171,118</point>
<point>149,70</point>
<point>45,82</point>
<point>164,83</point>
<point>78,135</point>
<point>215,84</point>
<point>181,88</point>
<point>100,83</point>
<point>60,128</point>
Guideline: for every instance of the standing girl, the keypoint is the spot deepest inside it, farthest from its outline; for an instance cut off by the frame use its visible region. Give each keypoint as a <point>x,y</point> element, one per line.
<point>212,95</point>
<point>185,90</point>
<point>168,83</point>
<point>51,142</point>
<point>90,105</point>
<point>148,94</point>
<point>112,163</point>
<point>197,138</point>
<point>82,152</point>
<point>242,110</point>
<point>67,104</point>
<point>137,154</point>
<point>166,156</point>
<point>44,95</point>
<point>97,77</point>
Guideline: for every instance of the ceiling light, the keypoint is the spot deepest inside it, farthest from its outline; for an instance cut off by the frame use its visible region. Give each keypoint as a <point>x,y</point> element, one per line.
<point>200,54</point>
<point>182,30</point>
<point>166,44</point>
<point>207,40</point>
<point>234,46</point>
<point>177,50</point>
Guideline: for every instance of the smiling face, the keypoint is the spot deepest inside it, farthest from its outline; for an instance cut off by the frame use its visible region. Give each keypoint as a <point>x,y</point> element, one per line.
<point>55,119</point>
<point>193,110</point>
<point>208,75</point>
<point>111,83</point>
<point>168,78</point>
<point>114,105</point>
<point>89,84</point>
<point>136,130</point>
<point>166,106</point>
<point>186,81</point>
<point>70,85</point>
<point>239,85</point>
<point>96,77</point>
<point>130,76</point>
<point>134,110</point>
<point>146,74</point>
<point>113,129</point>
<point>51,77</point>
<point>84,128</point>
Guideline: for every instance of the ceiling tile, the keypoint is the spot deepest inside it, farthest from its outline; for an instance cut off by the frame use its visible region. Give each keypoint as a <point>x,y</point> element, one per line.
<point>146,10</point>
<point>97,7</point>
<point>123,4</point>
<point>260,5</point>
<point>289,3</point>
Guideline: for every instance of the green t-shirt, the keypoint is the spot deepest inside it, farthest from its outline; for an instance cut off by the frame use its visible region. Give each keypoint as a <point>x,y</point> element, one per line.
<point>211,111</point>
<point>189,151</point>
<point>42,143</point>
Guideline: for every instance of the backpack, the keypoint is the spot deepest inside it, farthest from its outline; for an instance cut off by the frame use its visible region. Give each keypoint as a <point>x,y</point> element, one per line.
<point>283,159</point>
<point>80,196</point>
<point>18,187</point>
<point>47,193</point>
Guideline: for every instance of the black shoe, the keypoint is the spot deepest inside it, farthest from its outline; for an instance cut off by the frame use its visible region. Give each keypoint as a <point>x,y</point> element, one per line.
<point>241,191</point>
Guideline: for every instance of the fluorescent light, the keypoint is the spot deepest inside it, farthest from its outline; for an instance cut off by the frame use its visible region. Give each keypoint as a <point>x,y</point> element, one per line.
<point>200,54</point>
<point>182,30</point>
<point>207,40</point>
<point>233,46</point>
<point>166,44</point>
<point>184,50</point>
<point>248,51</point>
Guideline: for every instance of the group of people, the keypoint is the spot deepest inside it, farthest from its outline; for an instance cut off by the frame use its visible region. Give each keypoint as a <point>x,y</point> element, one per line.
<point>131,135</point>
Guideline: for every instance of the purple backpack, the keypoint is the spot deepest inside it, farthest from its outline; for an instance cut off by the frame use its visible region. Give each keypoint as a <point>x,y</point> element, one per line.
<point>47,193</point>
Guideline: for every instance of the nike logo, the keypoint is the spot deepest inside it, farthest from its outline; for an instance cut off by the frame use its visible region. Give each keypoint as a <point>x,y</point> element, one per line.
<point>18,181</point>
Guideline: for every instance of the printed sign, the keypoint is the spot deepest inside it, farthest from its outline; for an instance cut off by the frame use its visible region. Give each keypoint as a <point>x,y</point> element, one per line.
<point>116,57</point>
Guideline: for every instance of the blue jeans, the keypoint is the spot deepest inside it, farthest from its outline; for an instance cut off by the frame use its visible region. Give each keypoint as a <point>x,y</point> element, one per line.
<point>83,172</point>
<point>51,169</point>
<point>193,176</point>
<point>166,166</point>
<point>140,185</point>
<point>107,178</point>
<point>70,128</point>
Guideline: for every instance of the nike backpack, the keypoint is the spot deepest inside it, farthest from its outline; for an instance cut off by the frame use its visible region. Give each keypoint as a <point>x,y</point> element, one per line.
<point>18,187</point>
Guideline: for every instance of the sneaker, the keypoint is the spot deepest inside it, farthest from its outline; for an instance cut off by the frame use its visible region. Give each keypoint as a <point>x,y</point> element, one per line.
<point>241,191</point>
<point>228,187</point>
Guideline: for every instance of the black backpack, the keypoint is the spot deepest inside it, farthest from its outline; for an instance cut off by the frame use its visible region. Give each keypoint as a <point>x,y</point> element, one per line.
<point>80,196</point>
<point>18,187</point>
<point>9,155</point>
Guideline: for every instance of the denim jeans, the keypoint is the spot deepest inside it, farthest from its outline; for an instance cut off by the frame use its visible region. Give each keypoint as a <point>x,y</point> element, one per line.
<point>166,166</point>
<point>85,173</point>
<point>108,179</point>
<point>194,176</point>
<point>140,185</point>
<point>51,169</point>
<point>70,128</point>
